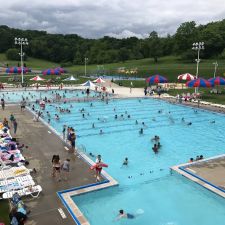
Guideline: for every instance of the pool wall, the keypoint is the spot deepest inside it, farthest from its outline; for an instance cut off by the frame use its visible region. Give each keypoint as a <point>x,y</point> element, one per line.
<point>184,170</point>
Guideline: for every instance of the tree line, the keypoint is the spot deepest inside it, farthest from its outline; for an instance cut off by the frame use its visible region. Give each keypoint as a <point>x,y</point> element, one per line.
<point>71,49</point>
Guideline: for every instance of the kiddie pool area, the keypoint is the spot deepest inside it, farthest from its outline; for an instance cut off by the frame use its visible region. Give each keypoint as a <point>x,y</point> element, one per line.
<point>146,188</point>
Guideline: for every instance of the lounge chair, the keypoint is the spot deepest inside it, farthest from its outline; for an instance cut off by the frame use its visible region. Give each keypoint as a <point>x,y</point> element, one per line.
<point>12,172</point>
<point>16,183</point>
<point>33,191</point>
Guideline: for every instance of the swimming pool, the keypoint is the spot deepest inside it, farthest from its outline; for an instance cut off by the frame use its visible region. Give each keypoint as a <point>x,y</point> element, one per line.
<point>29,95</point>
<point>146,184</point>
<point>116,77</point>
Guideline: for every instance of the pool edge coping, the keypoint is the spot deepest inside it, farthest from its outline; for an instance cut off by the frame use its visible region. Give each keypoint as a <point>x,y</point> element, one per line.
<point>181,169</point>
<point>66,195</point>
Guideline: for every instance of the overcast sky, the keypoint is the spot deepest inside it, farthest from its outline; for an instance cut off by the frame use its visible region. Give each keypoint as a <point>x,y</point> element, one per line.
<point>118,18</point>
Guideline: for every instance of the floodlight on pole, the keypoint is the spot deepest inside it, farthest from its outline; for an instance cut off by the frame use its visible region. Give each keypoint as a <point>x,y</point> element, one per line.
<point>216,66</point>
<point>198,46</point>
<point>21,42</point>
<point>85,66</point>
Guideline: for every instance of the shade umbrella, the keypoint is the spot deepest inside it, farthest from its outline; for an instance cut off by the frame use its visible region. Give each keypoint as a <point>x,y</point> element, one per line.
<point>37,78</point>
<point>61,70</point>
<point>186,77</point>
<point>88,84</point>
<point>71,78</point>
<point>99,80</point>
<point>200,82</point>
<point>51,72</point>
<point>217,81</point>
<point>155,79</point>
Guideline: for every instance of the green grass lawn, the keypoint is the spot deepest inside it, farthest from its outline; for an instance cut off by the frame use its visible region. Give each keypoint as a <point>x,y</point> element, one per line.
<point>169,66</point>
<point>4,212</point>
<point>33,63</point>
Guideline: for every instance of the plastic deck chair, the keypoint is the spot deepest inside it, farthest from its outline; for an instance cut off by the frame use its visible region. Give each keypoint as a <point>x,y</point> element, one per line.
<point>32,191</point>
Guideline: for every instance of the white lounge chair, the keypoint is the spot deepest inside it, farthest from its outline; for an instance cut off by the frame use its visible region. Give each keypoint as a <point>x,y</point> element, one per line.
<point>12,172</point>
<point>32,191</point>
<point>16,183</point>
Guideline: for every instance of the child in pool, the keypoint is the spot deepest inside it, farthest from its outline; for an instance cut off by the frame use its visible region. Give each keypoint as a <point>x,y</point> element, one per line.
<point>122,214</point>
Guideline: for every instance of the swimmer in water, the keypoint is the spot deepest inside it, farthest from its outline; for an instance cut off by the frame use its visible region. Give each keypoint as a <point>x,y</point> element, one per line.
<point>48,114</point>
<point>136,122</point>
<point>93,125</point>
<point>143,124</point>
<point>125,162</point>
<point>122,215</point>
<point>213,121</point>
<point>101,132</point>
<point>141,131</point>
<point>91,154</point>
<point>155,138</point>
<point>155,148</point>
<point>190,123</point>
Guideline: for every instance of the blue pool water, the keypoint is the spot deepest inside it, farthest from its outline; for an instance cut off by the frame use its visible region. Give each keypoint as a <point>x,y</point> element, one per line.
<point>17,96</point>
<point>146,184</point>
<point>116,77</point>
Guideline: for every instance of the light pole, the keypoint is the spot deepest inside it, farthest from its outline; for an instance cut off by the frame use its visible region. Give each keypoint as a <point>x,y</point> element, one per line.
<point>85,66</point>
<point>21,42</point>
<point>216,65</point>
<point>198,46</point>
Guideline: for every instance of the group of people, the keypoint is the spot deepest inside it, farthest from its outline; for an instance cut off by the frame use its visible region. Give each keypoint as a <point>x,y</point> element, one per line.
<point>198,157</point>
<point>19,211</point>
<point>13,122</point>
<point>157,144</point>
<point>70,136</point>
<point>59,169</point>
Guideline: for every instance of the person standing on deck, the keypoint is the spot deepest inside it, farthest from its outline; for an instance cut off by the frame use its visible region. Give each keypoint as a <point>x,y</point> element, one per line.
<point>3,104</point>
<point>15,125</point>
<point>64,132</point>
<point>73,141</point>
<point>11,118</point>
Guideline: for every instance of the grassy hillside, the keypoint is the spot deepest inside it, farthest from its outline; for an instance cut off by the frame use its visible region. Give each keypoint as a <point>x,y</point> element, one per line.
<point>31,62</point>
<point>170,67</point>
<point>167,66</point>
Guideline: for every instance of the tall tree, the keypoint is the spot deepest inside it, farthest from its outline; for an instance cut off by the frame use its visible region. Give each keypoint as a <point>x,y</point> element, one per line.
<point>155,46</point>
<point>185,36</point>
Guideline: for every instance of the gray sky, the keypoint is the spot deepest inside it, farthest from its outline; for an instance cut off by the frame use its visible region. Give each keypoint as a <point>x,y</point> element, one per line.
<point>117,18</point>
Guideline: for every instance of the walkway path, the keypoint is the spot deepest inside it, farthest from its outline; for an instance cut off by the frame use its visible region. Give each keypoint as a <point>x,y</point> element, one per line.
<point>41,146</point>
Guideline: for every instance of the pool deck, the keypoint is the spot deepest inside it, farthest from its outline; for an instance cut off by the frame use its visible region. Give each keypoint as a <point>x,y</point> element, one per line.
<point>209,173</point>
<point>42,145</point>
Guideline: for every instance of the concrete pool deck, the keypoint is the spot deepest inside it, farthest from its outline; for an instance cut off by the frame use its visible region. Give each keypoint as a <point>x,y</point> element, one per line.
<point>42,145</point>
<point>209,173</point>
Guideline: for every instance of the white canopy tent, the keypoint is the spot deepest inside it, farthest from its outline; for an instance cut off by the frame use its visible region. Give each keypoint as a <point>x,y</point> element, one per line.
<point>71,78</point>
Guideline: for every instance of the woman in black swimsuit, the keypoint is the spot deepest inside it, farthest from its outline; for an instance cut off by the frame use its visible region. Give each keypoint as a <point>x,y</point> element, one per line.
<point>56,166</point>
